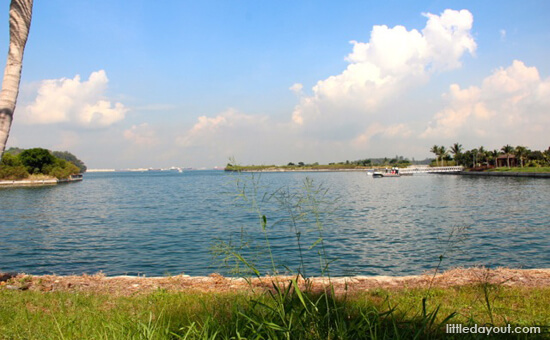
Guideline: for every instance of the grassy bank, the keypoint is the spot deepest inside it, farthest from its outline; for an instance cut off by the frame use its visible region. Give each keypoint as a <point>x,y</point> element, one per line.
<point>524,169</point>
<point>294,167</point>
<point>319,167</point>
<point>294,314</point>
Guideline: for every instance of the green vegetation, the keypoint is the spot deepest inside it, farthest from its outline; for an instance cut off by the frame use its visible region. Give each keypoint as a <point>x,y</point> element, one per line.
<point>368,163</point>
<point>18,164</point>
<point>376,314</point>
<point>69,157</point>
<point>507,157</point>
<point>11,168</point>
<point>524,169</point>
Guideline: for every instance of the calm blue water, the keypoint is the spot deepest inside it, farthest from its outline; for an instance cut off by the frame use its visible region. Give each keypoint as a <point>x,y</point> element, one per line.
<point>166,223</point>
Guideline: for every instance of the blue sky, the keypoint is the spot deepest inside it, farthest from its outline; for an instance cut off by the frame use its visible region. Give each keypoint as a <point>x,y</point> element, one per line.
<point>138,84</point>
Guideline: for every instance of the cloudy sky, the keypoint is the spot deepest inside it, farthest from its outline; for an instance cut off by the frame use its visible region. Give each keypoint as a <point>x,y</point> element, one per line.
<point>192,83</point>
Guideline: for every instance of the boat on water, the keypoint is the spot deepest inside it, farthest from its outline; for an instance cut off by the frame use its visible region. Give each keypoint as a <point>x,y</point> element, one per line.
<point>393,172</point>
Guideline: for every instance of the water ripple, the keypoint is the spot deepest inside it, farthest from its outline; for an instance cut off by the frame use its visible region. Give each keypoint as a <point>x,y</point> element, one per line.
<point>159,223</point>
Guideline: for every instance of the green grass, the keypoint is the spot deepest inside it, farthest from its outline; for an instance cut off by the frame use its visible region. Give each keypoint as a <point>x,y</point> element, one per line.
<point>285,313</point>
<point>524,169</point>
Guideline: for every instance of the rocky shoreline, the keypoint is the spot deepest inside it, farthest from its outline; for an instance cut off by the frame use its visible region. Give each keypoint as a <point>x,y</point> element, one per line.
<point>39,182</point>
<point>131,285</point>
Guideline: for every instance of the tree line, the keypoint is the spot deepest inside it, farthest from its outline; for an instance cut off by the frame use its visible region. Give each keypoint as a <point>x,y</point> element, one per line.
<point>17,164</point>
<point>484,158</point>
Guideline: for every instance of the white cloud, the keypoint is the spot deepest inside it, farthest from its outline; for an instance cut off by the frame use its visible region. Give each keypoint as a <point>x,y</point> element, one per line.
<point>377,129</point>
<point>206,128</point>
<point>297,88</point>
<point>502,35</point>
<point>142,135</point>
<point>393,60</point>
<point>75,102</point>
<point>250,138</point>
<point>511,106</point>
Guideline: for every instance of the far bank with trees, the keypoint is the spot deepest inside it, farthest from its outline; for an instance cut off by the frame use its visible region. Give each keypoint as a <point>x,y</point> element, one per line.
<point>38,163</point>
<point>507,158</point>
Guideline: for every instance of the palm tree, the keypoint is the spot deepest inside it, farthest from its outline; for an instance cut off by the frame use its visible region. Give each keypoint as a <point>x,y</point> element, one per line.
<point>456,150</point>
<point>20,23</point>
<point>482,154</point>
<point>442,152</point>
<point>435,150</point>
<point>493,155</point>
<point>521,152</point>
<point>507,149</point>
<point>474,157</point>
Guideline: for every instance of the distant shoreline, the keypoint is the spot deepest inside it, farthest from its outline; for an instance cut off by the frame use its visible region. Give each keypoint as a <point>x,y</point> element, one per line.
<point>300,170</point>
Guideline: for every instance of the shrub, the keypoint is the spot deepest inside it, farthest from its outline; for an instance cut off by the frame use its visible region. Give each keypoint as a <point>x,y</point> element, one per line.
<point>13,172</point>
<point>11,168</point>
<point>61,169</point>
<point>71,158</point>
<point>10,160</point>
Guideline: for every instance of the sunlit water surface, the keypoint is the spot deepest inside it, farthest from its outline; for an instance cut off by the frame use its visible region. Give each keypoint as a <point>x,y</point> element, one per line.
<point>160,223</point>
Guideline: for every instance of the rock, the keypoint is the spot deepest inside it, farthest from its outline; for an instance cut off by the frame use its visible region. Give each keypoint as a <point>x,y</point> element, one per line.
<point>6,276</point>
<point>22,287</point>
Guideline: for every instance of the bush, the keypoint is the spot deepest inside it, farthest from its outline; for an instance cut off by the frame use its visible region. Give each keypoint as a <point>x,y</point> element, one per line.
<point>61,169</point>
<point>13,173</point>
<point>70,158</point>
<point>10,160</point>
<point>11,168</point>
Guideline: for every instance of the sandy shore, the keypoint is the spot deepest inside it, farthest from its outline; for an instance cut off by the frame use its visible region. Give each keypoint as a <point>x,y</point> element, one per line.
<point>131,285</point>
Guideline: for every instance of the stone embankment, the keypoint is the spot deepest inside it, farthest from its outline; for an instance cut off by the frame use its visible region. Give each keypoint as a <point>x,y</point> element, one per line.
<point>505,174</point>
<point>39,182</point>
<point>130,285</point>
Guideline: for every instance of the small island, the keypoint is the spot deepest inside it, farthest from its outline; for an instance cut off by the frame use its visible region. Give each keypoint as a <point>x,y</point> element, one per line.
<point>38,166</point>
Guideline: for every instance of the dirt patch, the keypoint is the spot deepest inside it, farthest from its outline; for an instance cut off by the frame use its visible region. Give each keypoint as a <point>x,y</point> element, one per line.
<point>132,285</point>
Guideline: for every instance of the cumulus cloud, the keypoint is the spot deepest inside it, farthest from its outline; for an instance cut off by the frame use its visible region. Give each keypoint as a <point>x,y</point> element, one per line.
<point>296,88</point>
<point>512,103</point>
<point>142,135</point>
<point>251,138</point>
<point>394,59</point>
<point>377,129</point>
<point>206,128</point>
<point>73,101</point>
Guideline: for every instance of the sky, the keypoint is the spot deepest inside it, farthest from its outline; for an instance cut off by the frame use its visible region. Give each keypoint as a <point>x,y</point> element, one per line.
<point>125,84</point>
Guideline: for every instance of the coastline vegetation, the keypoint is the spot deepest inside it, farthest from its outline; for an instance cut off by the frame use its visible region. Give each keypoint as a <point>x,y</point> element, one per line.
<point>38,163</point>
<point>368,163</point>
<point>507,158</point>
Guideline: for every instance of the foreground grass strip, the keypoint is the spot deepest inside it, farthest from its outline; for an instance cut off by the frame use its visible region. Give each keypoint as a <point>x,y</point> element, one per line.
<point>376,314</point>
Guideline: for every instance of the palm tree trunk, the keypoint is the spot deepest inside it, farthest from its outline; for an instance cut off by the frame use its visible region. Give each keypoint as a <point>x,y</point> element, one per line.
<point>20,23</point>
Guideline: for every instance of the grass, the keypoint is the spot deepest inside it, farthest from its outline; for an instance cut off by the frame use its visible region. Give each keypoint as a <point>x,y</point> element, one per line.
<point>377,314</point>
<point>524,169</point>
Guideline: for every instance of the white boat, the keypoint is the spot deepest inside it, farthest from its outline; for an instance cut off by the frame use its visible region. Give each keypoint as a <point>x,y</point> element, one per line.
<point>393,172</point>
